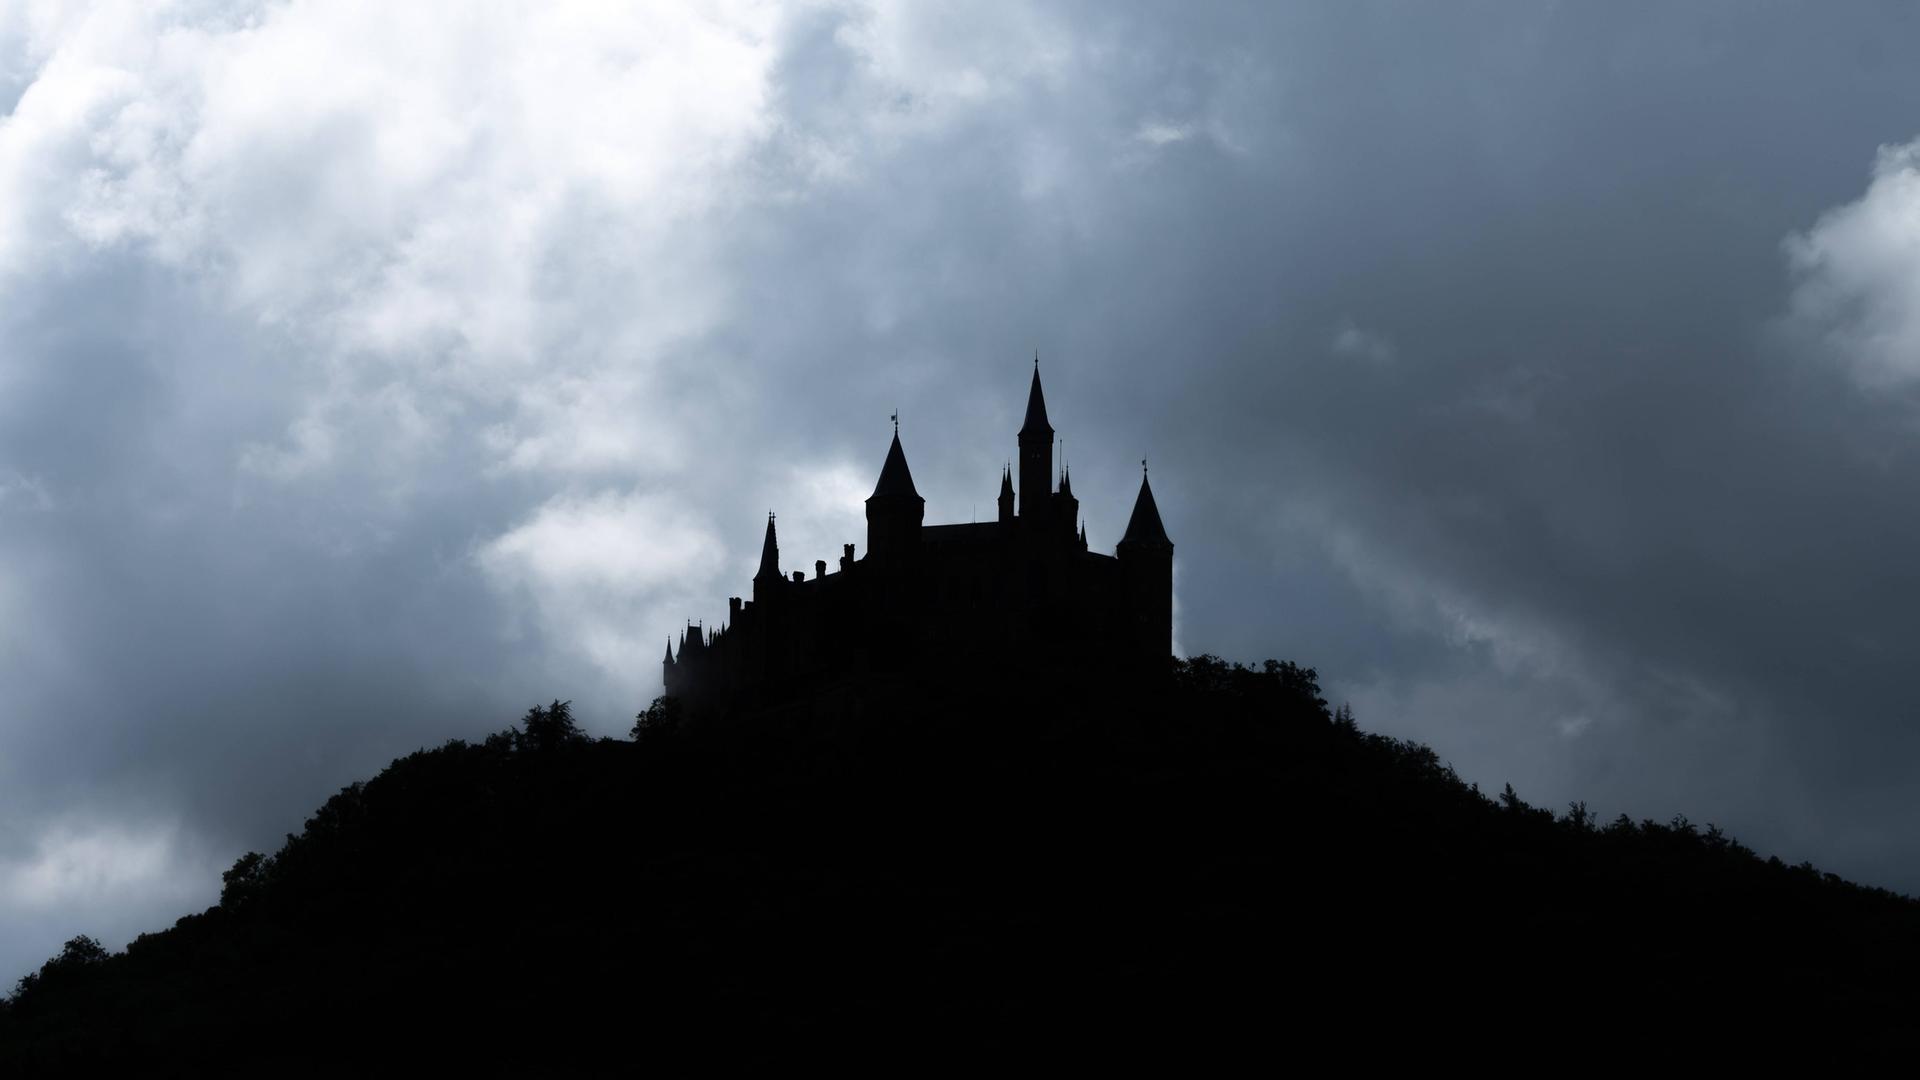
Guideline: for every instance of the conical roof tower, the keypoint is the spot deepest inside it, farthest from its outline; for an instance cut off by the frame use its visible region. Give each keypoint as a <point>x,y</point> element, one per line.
<point>896,480</point>
<point>1144,527</point>
<point>895,509</point>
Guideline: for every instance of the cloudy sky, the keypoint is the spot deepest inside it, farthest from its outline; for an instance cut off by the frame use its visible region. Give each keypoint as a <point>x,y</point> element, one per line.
<point>1546,375</point>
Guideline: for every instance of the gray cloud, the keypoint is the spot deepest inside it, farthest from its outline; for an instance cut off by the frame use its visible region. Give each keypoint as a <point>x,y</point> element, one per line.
<point>1541,377</point>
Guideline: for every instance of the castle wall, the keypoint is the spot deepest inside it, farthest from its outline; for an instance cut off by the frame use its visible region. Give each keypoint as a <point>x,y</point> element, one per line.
<point>971,603</point>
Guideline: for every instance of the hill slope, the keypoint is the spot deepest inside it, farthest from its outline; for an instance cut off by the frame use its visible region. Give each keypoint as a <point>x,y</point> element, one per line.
<point>1206,870</point>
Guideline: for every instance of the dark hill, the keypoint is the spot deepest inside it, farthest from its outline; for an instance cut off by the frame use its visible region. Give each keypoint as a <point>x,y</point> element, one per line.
<point>1218,869</point>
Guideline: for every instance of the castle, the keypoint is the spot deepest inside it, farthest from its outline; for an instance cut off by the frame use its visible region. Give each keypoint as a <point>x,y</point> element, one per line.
<point>1017,597</point>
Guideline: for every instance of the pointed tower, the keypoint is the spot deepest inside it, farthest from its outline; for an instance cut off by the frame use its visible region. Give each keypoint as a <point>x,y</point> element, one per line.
<point>1036,452</point>
<point>666,669</point>
<point>1146,565</point>
<point>1066,508</point>
<point>894,510</point>
<point>767,580</point>
<point>1006,495</point>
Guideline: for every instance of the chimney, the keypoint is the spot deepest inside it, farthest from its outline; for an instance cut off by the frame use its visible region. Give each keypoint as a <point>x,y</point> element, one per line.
<point>846,557</point>
<point>819,568</point>
<point>799,576</point>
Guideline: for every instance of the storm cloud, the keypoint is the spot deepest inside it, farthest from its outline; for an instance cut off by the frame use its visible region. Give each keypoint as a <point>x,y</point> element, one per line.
<point>1548,377</point>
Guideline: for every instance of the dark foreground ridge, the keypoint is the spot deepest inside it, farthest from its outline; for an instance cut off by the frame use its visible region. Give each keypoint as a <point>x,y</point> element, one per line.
<point>1220,868</point>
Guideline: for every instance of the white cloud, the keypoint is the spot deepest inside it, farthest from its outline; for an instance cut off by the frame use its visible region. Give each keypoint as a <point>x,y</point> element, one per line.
<point>100,864</point>
<point>110,878</point>
<point>436,206</point>
<point>1858,271</point>
<point>823,507</point>
<point>603,573</point>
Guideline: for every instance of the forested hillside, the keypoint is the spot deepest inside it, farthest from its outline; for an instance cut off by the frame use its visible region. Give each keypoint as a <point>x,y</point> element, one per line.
<point>1224,867</point>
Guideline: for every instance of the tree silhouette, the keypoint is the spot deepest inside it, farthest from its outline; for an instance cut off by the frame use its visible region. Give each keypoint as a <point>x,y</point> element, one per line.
<point>75,959</point>
<point>550,727</point>
<point>244,880</point>
<point>660,719</point>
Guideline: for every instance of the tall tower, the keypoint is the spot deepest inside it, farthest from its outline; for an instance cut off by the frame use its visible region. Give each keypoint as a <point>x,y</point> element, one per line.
<point>1146,565</point>
<point>1036,453</point>
<point>894,510</point>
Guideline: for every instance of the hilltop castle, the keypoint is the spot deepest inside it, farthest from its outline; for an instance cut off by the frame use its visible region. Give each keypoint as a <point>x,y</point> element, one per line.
<point>1019,597</point>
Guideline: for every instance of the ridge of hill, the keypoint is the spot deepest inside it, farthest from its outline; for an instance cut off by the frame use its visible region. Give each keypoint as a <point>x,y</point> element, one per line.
<point>1201,871</point>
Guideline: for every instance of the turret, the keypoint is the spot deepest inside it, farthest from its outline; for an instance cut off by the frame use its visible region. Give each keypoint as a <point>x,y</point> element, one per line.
<point>692,642</point>
<point>1036,452</point>
<point>894,510</point>
<point>1006,494</point>
<point>1066,508</point>
<point>666,668</point>
<point>767,580</point>
<point>1146,564</point>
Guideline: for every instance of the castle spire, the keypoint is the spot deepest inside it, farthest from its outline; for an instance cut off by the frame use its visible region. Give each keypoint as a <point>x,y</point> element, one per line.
<point>895,510</point>
<point>1036,454</point>
<point>669,660</point>
<point>1144,526</point>
<point>1036,422</point>
<point>895,478</point>
<point>769,555</point>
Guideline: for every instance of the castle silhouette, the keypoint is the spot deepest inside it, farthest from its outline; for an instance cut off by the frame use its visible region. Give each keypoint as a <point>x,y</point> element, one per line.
<point>1017,598</point>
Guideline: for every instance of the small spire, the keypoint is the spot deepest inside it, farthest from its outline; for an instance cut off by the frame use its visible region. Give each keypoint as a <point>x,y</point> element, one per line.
<point>896,423</point>
<point>669,660</point>
<point>769,554</point>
